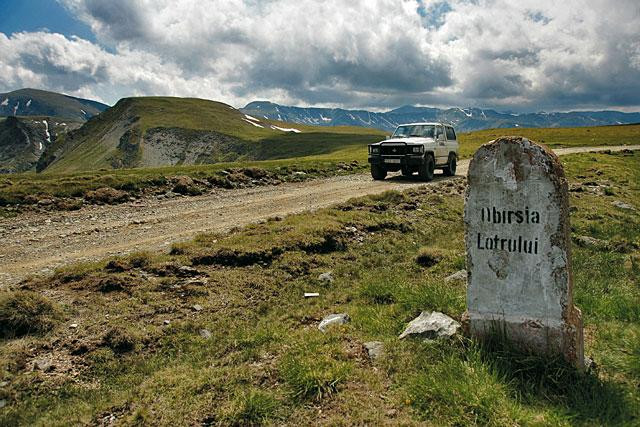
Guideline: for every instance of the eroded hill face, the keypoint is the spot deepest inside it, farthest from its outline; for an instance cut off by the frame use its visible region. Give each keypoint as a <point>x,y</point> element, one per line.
<point>156,131</point>
<point>24,139</point>
<point>34,102</point>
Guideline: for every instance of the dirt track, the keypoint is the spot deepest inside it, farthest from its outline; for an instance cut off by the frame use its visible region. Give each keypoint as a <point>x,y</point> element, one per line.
<point>37,243</point>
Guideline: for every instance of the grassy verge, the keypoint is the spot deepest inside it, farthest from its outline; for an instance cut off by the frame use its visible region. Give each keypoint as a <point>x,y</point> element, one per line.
<point>338,153</point>
<point>218,331</point>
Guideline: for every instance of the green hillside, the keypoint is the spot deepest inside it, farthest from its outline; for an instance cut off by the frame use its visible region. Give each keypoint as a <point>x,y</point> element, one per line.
<point>161,131</point>
<point>556,137</point>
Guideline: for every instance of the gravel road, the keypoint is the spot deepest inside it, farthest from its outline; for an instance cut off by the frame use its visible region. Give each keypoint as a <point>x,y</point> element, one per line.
<point>36,243</point>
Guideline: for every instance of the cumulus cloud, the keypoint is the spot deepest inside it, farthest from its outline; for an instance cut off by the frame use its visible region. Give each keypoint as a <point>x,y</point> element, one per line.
<point>360,53</point>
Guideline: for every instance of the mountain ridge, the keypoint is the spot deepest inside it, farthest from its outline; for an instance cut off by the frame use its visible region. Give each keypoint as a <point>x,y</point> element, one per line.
<point>35,102</point>
<point>465,119</point>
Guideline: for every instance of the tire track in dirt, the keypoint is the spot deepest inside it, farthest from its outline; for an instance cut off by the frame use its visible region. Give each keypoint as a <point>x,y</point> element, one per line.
<point>35,243</point>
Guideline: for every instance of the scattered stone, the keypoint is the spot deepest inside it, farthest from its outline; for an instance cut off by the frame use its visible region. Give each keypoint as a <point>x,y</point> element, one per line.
<point>167,322</point>
<point>333,319</point>
<point>623,205</point>
<point>197,307</point>
<point>299,173</point>
<point>311,294</point>
<point>351,230</point>
<point>46,202</point>
<point>3,403</point>
<point>591,242</point>
<point>431,325</point>
<point>186,271</point>
<point>458,276</point>
<point>73,326</point>
<point>43,365</point>
<point>375,349</point>
<point>326,277</point>
<point>205,333</point>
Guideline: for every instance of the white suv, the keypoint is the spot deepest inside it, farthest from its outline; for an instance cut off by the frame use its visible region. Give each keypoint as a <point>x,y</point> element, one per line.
<point>416,147</point>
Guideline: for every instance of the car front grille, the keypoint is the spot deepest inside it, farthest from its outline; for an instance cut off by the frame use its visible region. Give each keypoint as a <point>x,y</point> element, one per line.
<point>394,150</point>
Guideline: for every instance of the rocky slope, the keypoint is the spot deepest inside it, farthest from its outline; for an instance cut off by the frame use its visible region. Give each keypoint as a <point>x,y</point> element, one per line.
<point>464,119</point>
<point>34,102</point>
<point>24,139</point>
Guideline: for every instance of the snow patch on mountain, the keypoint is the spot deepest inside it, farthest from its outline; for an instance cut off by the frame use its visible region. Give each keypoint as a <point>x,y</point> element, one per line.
<point>28,103</point>
<point>285,129</point>
<point>5,102</point>
<point>46,132</point>
<point>253,123</point>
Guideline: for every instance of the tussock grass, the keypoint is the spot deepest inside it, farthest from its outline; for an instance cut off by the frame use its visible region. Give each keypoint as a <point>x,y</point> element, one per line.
<point>24,313</point>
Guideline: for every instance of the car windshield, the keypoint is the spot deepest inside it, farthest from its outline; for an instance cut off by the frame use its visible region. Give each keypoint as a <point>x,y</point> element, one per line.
<point>422,131</point>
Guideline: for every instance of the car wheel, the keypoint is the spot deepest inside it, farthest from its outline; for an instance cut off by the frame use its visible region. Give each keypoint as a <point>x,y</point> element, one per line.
<point>427,168</point>
<point>450,169</point>
<point>407,172</point>
<point>378,173</point>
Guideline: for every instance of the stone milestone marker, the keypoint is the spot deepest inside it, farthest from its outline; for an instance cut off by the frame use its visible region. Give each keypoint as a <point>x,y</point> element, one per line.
<point>519,250</point>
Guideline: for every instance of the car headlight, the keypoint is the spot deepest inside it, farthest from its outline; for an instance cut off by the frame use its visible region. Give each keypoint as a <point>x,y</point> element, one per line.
<point>418,149</point>
<point>374,150</point>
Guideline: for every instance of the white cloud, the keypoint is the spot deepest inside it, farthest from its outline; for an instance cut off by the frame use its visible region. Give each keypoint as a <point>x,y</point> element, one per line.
<point>367,53</point>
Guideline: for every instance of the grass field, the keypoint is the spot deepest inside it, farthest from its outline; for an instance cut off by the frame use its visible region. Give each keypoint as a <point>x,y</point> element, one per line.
<point>218,331</point>
<point>316,154</point>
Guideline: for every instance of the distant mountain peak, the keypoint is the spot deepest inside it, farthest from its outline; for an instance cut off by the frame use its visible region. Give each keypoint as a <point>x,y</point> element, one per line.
<point>37,102</point>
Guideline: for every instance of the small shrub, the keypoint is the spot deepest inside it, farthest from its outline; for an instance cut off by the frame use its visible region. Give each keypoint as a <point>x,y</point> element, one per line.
<point>428,257</point>
<point>253,408</point>
<point>313,378</point>
<point>24,312</point>
<point>379,291</point>
<point>121,339</point>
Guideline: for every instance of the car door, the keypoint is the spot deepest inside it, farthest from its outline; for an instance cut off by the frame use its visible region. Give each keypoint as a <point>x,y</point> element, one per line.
<point>452,140</point>
<point>441,145</point>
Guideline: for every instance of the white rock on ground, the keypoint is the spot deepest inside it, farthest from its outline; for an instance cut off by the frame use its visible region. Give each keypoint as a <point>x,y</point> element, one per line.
<point>431,325</point>
<point>333,319</point>
<point>375,349</point>
<point>623,205</point>
<point>326,277</point>
<point>458,276</point>
<point>590,242</point>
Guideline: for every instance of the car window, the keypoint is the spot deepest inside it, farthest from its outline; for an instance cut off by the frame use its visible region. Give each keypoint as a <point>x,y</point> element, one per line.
<point>425,131</point>
<point>439,132</point>
<point>451,134</point>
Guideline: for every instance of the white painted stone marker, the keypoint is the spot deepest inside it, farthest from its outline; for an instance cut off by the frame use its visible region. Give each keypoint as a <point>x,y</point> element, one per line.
<point>519,250</point>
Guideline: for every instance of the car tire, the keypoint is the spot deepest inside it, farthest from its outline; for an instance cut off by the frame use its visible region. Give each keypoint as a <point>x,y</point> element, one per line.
<point>427,167</point>
<point>378,173</point>
<point>407,172</point>
<point>450,169</point>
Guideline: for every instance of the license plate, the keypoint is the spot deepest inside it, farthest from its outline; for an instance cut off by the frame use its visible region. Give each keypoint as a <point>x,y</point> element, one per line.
<point>396,161</point>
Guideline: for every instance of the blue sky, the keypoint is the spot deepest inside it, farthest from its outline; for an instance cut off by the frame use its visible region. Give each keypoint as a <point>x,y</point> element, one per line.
<point>525,55</point>
<point>35,15</point>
